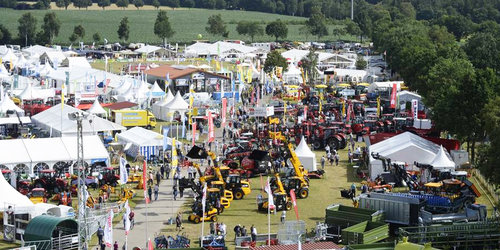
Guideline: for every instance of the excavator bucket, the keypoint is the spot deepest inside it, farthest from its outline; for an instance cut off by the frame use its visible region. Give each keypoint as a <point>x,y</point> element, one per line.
<point>197,153</point>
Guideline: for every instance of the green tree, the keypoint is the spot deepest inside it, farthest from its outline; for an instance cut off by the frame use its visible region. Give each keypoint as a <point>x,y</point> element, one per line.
<point>104,3</point>
<point>173,4</point>
<point>63,3</point>
<point>249,28</point>
<point>339,30</point>
<point>138,3</point>
<point>361,63</point>
<point>216,26</point>
<point>82,3</point>
<point>273,60</point>
<point>73,37</point>
<point>51,26</point>
<point>79,31</point>
<point>6,37</point>
<point>483,50</point>
<point>156,4</point>
<point>352,28</point>
<point>123,29</point>
<point>317,24</point>
<point>162,27</point>
<point>309,64</point>
<point>458,25</point>
<point>488,156</point>
<point>122,4</point>
<point>278,29</point>
<point>43,4</point>
<point>96,37</point>
<point>27,28</point>
<point>220,4</point>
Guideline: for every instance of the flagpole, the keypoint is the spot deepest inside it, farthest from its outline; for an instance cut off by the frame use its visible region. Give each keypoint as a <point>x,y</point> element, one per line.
<point>269,223</point>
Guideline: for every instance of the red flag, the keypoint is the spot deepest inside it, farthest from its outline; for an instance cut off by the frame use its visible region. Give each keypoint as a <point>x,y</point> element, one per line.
<point>211,131</point>
<point>348,115</point>
<point>224,111</point>
<point>393,95</point>
<point>305,112</point>
<point>150,245</point>
<point>194,132</point>
<point>144,180</point>
<point>294,202</point>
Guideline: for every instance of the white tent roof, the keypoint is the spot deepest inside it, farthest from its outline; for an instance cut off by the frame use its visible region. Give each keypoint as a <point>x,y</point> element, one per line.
<point>96,108</point>
<point>178,103</point>
<point>292,70</point>
<point>93,148</point>
<point>377,85</point>
<point>303,150</point>
<point>406,147</point>
<point>7,104</point>
<point>407,96</point>
<point>143,90</point>
<point>159,108</point>
<point>141,137</point>
<point>10,196</point>
<point>37,49</point>
<point>306,156</point>
<point>9,57</point>
<point>30,93</point>
<point>156,91</point>
<point>442,160</point>
<point>13,152</point>
<point>47,150</point>
<point>148,49</point>
<point>51,119</point>
<point>76,62</point>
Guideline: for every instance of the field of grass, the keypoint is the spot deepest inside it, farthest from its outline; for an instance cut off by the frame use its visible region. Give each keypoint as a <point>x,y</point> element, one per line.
<point>187,23</point>
<point>323,192</point>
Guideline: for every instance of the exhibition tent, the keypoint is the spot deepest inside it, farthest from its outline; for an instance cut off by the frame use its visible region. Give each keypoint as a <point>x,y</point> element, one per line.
<point>143,141</point>
<point>156,91</point>
<point>93,148</point>
<point>406,147</point>
<point>7,104</point>
<point>11,197</point>
<point>442,160</point>
<point>159,108</point>
<point>56,120</point>
<point>306,156</point>
<point>178,104</point>
<point>96,108</point>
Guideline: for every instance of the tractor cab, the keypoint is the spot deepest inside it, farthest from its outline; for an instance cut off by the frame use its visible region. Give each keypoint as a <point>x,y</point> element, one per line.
<point>296,184</point>
<point>281,202</point>
<point>223,192</point>
<point>47,173</point>
<point>214,194</point>
<point>109,176</point>
<point>239,187</point>
<point>38,195</point>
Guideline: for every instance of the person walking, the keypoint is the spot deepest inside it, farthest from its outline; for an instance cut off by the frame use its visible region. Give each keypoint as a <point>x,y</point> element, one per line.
<point>178,222</point>
<point>353,189</point>
<point>237,231</point>
<point>222,229</point>
<point>323,162</point>
<point>175,193</point>
<point>150,193</point>
<point>337,158</point>
<point>253,232</point>
<point>115,246</point>
<point>167,171</point>
<point>162,171</point>
<point>283,217</point>
<point>330,158</point>
<point>212,228</point>
<point>157,189</point>
<point>158,177</point>
<point>100,234</point>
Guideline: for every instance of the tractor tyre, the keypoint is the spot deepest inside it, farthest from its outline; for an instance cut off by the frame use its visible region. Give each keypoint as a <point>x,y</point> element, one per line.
<point>214,218</point>
<point>238,194</point>
<point>221,210</point>
<point>303,193</point>
<point>288,205</point>
<point>196,220</point>
<point>343,143</point>
<point>316,145</point>
<point>334,143</point>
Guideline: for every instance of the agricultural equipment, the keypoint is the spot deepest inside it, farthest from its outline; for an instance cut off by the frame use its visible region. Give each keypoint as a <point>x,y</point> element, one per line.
<point>109,177</point>
<point>280,198</point>
<point>197,215</point>
<point>365,232</point>
<point>299,180</point>
<point>323,135</point>
<point>38,195</point>
<point>47,180</point>
<point>180,241</point>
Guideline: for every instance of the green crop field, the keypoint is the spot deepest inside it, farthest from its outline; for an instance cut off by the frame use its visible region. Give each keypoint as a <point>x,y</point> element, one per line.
<point>186,23</point>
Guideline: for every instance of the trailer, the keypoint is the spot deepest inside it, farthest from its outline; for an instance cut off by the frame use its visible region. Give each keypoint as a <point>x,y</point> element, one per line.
<point>345,216</point>
<point>366,232</point>
<point>401,210</point>
<point>471,235</point>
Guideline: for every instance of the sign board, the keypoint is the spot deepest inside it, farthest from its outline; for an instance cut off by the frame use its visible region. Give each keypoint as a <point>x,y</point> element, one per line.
<point>261,111</point>
<point>348,92</point>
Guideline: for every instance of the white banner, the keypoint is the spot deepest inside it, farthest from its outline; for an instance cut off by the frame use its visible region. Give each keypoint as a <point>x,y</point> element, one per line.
<point>414,109</point>
<point>123,171</point>
<point>108,230</point>
<point>270,200</point>
<point>127,218</point>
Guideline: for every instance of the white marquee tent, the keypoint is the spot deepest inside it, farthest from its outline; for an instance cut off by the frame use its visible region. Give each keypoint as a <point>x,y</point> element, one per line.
<point>25,154</point>
<point>306,156</point>
<point>178,104</point>
<point>406,147</point>
<point>97,109</point>
<point>156,91</point>
<point>143,141</point>
<point>7,104</point>
<point>292,75</point>
<point>159,108</point>
<point>442,160</point>
<point>50,119</point>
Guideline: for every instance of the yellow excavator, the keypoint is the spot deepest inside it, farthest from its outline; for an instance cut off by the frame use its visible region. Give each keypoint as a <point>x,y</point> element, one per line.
<point>233,185</point>
<point>280,198</point>
<point>298,180</point>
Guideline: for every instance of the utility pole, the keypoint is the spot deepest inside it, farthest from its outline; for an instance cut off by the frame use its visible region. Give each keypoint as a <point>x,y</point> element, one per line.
<point>82,211</point>
<point>352,9</point>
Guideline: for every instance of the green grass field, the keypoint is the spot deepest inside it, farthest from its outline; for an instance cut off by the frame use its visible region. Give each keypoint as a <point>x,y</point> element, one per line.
<point>186,23</point>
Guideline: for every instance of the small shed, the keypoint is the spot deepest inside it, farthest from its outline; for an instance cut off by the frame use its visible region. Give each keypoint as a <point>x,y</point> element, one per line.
<point>50,232</point>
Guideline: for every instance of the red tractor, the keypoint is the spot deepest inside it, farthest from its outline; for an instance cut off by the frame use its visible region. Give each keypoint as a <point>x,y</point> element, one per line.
<point>328,135</point>
<point>48,180</point>
<point>109,177</point>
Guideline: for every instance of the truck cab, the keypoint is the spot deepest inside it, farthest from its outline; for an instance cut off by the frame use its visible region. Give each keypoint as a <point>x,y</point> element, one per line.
<point>134,118</point>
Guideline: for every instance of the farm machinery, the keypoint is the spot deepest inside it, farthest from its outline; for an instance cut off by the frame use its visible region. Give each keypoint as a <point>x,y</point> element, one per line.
<point>48,180</point>
<point>280,198</point>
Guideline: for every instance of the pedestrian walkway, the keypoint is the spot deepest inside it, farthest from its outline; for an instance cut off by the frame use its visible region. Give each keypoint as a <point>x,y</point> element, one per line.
<point>158,213</point>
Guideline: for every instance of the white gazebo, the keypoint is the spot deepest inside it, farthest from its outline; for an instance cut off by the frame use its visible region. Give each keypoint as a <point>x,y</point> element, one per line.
<point>97,109</point>
<point>178,104</point>
<point>306,156</point>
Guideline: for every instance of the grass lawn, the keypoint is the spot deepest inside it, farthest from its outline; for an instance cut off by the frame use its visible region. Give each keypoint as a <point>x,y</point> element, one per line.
<point>323,192</point>
<point>187,24</point>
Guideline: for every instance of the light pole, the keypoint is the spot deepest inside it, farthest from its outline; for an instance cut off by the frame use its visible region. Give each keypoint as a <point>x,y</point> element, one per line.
<point>82,218</point>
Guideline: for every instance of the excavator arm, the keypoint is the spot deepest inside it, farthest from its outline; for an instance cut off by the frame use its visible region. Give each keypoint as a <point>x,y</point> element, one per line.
<point>297,166</point>
<point>280,189</point>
